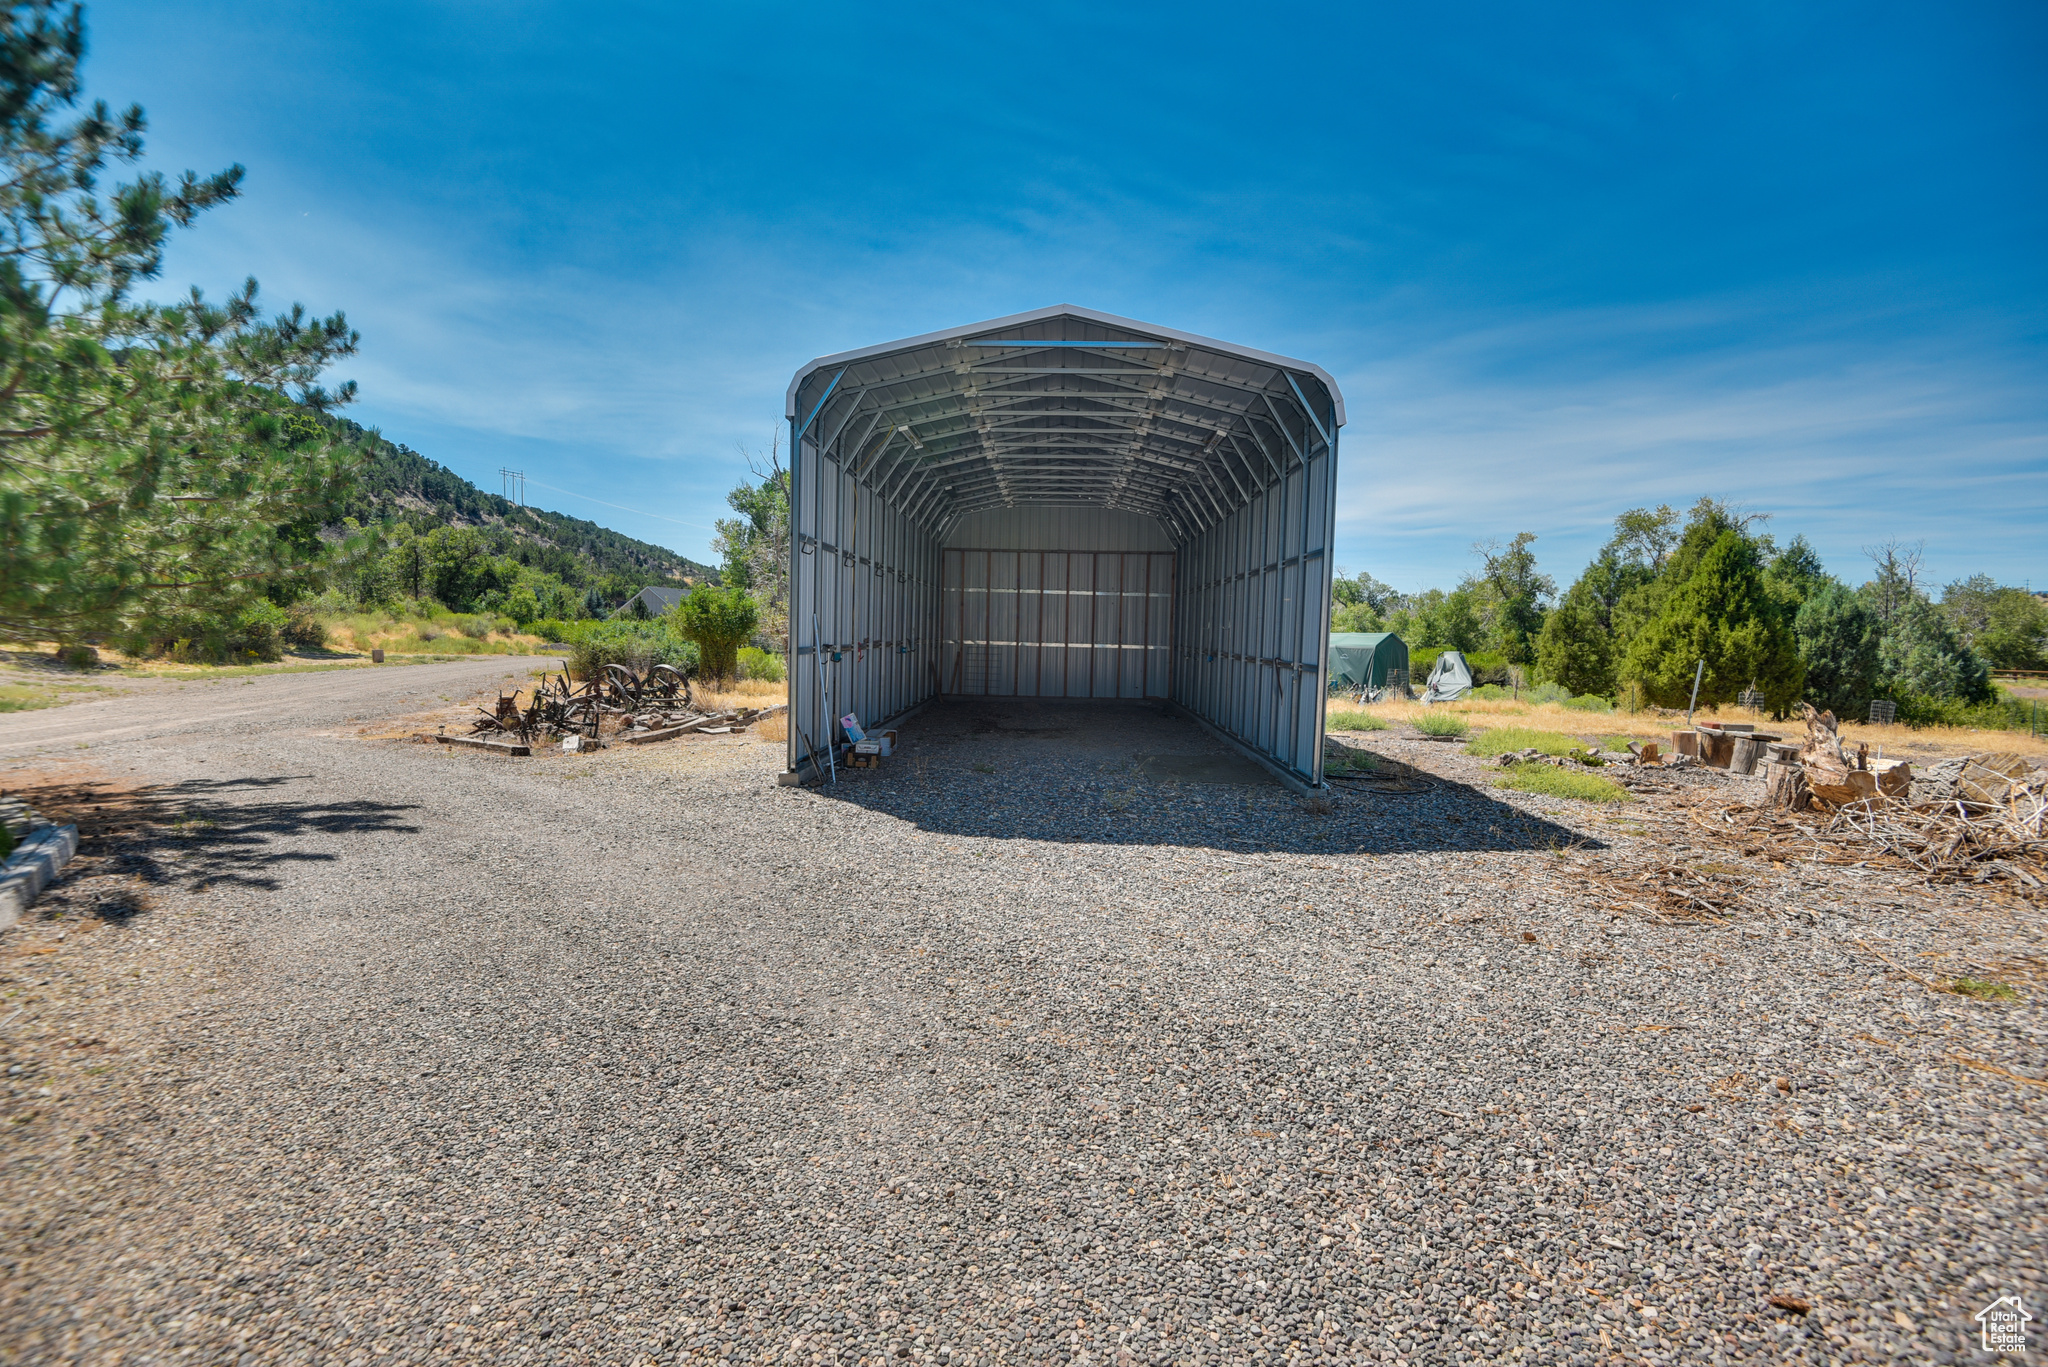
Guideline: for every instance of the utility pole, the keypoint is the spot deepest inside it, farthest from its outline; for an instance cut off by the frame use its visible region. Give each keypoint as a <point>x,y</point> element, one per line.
<point>515,485</point>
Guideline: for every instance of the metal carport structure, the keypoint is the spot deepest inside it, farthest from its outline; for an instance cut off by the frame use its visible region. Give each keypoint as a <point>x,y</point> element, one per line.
<point>1152,507</point>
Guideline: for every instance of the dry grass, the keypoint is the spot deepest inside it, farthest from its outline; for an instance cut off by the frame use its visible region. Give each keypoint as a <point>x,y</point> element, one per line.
<point>1486,714</point>
<point>455,634</point>
<point>738,693</point>
<point>775,728</point>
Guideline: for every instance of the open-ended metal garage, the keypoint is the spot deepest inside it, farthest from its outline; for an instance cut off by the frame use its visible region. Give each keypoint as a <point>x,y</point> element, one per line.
<point>1064,504</point>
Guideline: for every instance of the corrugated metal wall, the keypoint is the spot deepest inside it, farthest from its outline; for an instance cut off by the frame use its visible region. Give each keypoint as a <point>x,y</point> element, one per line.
<point>1252,617</point>
<point>864,603</point>
<point>1056,624</point>
<point>1058,527</point>
<point>1207,582</point>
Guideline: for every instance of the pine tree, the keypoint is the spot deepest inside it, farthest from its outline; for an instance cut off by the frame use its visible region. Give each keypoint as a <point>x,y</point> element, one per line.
<point>1576,649</point>
<point>1796,574</point>
<point>152,457</point>
<point>1837,638</point>
<point>1724,614</point>
<point>1920,654</point>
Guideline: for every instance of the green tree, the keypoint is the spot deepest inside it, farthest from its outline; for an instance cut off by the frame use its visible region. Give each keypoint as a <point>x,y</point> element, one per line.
<point>522,605</point>
<point>1723,614</point>
<point>1435,619</point>
<point>1643,537</point>
<point>1837,638</point>
<point>2007,626</point>
<point>1356,615</point>
<point>153,458</point>
<point>1922,654</point>
<point>1795,574</point>
<point>1576,648</point>
<point>1519,590</point>
<point>720,621</point>
<point>755,545</point>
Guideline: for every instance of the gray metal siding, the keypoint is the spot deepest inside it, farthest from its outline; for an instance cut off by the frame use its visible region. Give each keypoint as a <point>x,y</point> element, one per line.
<point>1101,508</point>
<point>863,588</point>
<point>1056,624</point>
<point>1058,527</point>
<point>1253,617</point>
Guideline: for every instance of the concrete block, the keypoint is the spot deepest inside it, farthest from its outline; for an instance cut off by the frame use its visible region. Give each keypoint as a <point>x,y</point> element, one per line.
<point>33,866</point>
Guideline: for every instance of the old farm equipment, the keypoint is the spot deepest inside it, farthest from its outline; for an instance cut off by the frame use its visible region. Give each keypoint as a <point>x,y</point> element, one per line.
<point>615,704</point>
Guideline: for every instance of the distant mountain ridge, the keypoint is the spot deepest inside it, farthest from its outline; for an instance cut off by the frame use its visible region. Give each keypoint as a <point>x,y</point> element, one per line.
<point>400,484</point>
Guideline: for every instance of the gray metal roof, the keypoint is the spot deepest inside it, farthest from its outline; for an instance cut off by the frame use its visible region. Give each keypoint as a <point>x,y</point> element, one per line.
<point>1066,404</point>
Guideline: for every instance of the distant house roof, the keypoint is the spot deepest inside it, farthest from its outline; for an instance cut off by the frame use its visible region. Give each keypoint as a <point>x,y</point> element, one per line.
<point>657,600</point>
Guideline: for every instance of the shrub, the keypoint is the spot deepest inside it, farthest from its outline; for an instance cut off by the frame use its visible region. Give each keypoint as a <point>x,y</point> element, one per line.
<point>255,631</point>
<point>1354,721</point>
<point>302,629</point>
<point>717,621</point>
<point>636,645</point>
<point>1554,782</point>
<point>1441,724</point>
<point>756,663</point>
<point>2008,713</point>
<point>550,629</point>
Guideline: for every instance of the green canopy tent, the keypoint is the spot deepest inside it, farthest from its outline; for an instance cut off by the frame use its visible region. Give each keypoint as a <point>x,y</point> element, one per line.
<point>1366,659</point>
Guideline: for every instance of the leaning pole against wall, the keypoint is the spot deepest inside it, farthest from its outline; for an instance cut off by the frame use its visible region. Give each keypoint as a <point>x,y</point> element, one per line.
<point>1068,504</point>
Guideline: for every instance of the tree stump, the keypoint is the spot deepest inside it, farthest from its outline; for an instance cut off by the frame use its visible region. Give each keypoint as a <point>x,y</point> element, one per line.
<point>1785,786</point>
<point>1717,748</point>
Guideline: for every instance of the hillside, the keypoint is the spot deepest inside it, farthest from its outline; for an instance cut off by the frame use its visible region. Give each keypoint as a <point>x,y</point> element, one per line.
<point>401,485</point>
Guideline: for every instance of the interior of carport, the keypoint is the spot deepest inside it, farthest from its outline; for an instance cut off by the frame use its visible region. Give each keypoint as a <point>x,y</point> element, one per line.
<point>1058,508</point>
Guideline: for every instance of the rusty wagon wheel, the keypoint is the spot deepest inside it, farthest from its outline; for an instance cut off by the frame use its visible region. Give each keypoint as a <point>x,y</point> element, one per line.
<point>665,682</point>
<point>624,685</point>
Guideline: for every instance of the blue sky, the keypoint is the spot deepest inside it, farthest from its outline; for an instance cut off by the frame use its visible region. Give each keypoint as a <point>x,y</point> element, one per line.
<point>1564,260</point>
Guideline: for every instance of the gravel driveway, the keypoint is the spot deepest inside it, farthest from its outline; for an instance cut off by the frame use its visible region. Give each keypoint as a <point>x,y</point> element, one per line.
<point>1025,1048</point>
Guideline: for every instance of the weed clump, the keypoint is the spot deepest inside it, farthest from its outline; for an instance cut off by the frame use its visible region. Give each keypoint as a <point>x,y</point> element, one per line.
<point>1983,991</point>
<point>1503,739</point>
<point>1441,724</point>
<point>1548,781</point>
<point>1354,721</point>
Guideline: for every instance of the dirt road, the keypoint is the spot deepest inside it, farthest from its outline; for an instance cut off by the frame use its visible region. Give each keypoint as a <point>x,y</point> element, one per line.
<point>271,703</point>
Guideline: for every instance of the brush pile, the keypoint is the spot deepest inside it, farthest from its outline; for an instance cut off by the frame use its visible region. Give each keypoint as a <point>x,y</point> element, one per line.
<point>1979,819</point>
<point>1990,822</point>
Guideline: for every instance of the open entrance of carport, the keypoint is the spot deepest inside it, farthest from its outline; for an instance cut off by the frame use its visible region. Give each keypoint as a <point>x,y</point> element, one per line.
<point>1064,505</point>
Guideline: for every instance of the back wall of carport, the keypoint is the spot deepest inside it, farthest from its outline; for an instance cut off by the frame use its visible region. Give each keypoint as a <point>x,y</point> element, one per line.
<point>1064,504</point>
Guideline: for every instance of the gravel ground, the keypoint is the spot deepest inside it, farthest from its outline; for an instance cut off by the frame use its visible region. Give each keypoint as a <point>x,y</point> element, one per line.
<point>337,1049</point>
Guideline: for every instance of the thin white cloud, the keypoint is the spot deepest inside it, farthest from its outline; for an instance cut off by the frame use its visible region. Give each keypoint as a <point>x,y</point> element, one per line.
<point>1552,425</point>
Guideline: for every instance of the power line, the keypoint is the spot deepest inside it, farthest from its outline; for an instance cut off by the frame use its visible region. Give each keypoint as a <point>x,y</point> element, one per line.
<point>637,512</point>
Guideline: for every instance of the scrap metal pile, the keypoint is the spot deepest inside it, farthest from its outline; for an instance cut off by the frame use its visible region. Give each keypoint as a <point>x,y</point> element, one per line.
<point>614,704</point>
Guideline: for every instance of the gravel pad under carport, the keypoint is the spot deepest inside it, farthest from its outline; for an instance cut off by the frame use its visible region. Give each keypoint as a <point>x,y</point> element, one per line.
<point>1019,1049</point>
